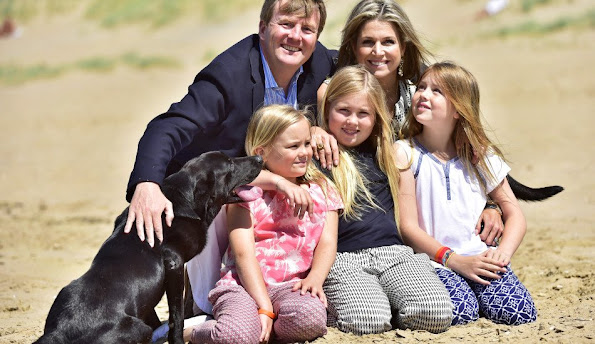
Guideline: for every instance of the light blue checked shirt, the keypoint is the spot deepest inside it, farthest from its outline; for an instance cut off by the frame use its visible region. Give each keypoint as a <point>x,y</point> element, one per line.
<point>273,94</point>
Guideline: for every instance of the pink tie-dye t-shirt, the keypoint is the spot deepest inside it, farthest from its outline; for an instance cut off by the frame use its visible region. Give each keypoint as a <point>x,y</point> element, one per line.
<point>284,244</point>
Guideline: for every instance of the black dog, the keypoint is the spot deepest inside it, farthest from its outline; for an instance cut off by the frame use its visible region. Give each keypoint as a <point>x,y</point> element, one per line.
<point>114,302</point>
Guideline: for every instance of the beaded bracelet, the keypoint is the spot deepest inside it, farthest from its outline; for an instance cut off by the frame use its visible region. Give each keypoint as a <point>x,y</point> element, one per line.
<point>267,313</point>
<point>446,257</point>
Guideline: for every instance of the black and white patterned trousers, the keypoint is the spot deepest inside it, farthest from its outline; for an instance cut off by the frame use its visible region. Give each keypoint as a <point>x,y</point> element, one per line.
<point>366,289</point>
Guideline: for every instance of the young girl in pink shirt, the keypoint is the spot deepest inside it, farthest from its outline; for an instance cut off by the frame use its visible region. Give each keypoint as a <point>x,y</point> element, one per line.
<point>271,281</point>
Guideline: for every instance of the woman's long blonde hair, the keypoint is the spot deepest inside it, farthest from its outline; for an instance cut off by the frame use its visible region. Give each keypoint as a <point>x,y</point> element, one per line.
<point>461,88</point>
<point>270,121</point>
<point>348,178</point>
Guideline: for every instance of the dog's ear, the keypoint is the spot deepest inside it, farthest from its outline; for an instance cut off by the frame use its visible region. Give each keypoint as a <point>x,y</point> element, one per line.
<point>185,210</point>
<point>179,190</point>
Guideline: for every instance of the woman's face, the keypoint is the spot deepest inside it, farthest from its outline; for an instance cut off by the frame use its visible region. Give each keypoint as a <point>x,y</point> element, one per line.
<point>351,119</point>
<point>290,153</point>
<point>378,48</point>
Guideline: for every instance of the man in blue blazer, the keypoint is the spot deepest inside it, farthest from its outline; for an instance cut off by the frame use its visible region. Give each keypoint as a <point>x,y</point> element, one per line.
<point>284,63</point>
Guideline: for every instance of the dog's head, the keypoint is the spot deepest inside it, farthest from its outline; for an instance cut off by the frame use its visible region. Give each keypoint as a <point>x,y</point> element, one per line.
<point>207,182</point>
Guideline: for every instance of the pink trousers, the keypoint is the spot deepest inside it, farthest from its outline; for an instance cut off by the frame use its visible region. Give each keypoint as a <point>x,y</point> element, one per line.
<point>299,317</point>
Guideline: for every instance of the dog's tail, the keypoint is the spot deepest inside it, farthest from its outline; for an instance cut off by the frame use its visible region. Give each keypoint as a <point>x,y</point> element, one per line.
<point>530,194</point>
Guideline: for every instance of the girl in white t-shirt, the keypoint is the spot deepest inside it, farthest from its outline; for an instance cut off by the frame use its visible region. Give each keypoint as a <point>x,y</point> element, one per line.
<point>450,167</point>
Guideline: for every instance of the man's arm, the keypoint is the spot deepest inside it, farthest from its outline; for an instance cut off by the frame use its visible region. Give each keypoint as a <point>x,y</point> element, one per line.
<point>196,114</point>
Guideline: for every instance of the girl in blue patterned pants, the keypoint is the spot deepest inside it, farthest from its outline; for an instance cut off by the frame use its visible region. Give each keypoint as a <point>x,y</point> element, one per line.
<point>448,169</point>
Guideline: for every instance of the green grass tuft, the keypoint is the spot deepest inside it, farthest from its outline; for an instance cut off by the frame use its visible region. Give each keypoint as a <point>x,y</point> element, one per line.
<point>13,74</point>
<point>97,64</point>
<point>116,13</point>
<point>586,20</point>
<point>527,5</point>
<point>144,62</point>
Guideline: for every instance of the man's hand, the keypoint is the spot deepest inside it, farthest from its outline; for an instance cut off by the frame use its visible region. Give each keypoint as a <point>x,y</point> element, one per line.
<point>325,148</point>
<point>492,226</point>
<point>146,207</point>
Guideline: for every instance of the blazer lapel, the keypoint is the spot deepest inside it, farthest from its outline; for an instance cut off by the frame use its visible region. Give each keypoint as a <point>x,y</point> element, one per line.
<point>257,76</point>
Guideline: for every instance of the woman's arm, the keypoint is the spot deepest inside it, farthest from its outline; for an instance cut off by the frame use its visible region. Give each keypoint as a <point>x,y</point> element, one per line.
<point>472,267</point>
<point>324,257</point>
<point>241,241</point>
<point>515,225</point>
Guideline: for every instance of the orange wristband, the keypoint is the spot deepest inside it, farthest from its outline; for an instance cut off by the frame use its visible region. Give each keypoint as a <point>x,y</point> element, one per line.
<point>440,254</point>
<point>267,313</point>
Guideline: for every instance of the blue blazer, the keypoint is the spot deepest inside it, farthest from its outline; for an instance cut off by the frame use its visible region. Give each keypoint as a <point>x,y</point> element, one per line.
<point>214,115</point>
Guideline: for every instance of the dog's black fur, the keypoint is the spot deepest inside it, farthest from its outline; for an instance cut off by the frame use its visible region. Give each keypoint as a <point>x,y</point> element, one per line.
<point>530,194</point>
<point>114,301</point>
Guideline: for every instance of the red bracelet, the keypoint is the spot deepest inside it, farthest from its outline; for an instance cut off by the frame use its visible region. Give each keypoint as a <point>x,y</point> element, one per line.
<point>267,313</point>
<point>440,254</point>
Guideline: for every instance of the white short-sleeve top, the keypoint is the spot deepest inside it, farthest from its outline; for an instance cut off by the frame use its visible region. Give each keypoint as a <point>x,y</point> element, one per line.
<point>449,199</point>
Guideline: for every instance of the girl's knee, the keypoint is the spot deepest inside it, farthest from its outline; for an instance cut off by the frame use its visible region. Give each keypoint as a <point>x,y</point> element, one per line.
<point>466,307</point>
<point>507,301</point>
<point>245,331</point>
<point>513,312</point>
<point>465,312</point>
<point>301,321</point>
<point>365,323</point>
<point>422,317</point>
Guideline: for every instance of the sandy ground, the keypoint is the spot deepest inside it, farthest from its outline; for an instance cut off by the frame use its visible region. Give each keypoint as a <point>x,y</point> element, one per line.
<point>68,146</point>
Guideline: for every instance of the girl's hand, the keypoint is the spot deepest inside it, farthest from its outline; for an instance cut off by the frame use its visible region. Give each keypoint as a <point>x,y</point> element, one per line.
<point>315,289</point>
<point>476,267</point>
<point>328,155</point>
<point>492,226</point>
<point>266,325</point>
<point>298,196</point>
<point>499,255</point>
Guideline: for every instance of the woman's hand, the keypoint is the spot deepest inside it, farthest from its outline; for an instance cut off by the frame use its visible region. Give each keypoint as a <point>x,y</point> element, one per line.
<point>312,286</point>
<point>266,325</point>
<point>325,148</point>
<point>476,267</point>
<point>492,226</point>
<point>298,196</point>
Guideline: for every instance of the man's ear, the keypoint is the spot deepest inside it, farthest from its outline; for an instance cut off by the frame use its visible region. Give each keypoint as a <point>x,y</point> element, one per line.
<point>261,27</point>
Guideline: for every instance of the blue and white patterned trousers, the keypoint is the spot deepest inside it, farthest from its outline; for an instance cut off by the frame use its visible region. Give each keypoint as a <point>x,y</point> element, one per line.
<point>504,301</point>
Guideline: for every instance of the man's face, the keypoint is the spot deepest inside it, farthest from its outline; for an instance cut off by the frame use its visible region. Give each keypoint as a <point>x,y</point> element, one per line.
<point>289,40</point>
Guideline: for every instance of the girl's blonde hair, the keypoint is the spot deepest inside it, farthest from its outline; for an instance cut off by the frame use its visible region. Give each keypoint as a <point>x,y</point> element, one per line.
<point>389,11</point>
<point>460,87</point>
<point>348,178</point>
<point>269,122</point>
